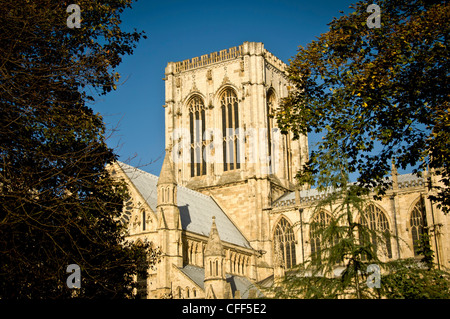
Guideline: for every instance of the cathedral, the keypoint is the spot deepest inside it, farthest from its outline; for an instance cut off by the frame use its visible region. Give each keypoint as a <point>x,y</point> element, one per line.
<point>225,211</point>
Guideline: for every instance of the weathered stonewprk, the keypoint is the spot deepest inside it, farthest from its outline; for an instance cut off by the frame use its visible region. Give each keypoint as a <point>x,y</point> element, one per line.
<point>224,225</point>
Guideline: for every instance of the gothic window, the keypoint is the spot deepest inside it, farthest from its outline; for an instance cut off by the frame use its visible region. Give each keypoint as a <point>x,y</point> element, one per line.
<point>270,101</point>
<point>274,141</point>
<point>210,268</point>
<point>126,216</point>
<point>418,225</point>
<point>197,123</point>
<point>230,122</point>
<point>319,221</point>
<point>284,236</point>
<point>378,224</point>
<point>288,156</point>
<point>143,219</point>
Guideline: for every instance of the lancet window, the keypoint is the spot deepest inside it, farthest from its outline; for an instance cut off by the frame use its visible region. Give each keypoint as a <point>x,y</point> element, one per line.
<point>197,125</point>
<point>284,236</point>
<point>229,107</point>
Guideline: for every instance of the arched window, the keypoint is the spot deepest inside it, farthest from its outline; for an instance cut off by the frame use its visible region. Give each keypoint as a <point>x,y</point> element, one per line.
<point>194,254</point>
<point>143,219</point>
<point>319,221</point>
<point>230,122</point>
<point>288,156</point>
<point>270,106</point>
<point>377,222</point>
<point>276,141</point>
<point>284,235</point>
<point>197,124</point>
<point>418,224</point>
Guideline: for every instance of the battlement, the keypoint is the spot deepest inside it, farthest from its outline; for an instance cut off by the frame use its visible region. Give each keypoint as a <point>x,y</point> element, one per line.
<point>208,59</point>
<point>276,62</point>
<point>247,48</point>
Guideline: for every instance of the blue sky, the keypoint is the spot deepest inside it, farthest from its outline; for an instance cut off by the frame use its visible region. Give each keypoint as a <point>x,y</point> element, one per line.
<point>179,30</point>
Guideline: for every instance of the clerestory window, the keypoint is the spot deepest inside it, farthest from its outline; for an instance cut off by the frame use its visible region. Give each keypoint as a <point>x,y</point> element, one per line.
<point>197,123</point>
<point>418,226</point>
<point>230,124</point>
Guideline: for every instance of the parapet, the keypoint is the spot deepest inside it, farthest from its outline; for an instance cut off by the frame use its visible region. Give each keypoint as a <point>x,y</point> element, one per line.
<point>247,48</point>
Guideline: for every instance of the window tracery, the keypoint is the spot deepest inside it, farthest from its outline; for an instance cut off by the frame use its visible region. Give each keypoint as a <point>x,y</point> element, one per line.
<point>197,126</point>
<point>230,123</point>
<point>285,238</point>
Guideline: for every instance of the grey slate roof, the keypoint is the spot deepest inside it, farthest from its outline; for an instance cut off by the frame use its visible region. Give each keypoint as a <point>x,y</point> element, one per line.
<point>404,181</point>
<point>196,209</point>
<point>197,274</point>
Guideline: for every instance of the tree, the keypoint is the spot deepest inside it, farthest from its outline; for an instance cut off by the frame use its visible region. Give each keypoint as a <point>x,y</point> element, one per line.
<point>351,250</point>
<point>407,279</point>
<point>342,239</point>
<point>58,203</point>
<point>382,92</point>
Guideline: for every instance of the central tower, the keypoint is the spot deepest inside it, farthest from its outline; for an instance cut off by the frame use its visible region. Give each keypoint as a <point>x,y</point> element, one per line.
<point>223,139</point>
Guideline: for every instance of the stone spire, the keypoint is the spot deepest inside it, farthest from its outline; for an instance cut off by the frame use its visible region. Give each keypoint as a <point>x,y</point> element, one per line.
<point>167,184</point>
<point>169,226</point>
<point>214,245</point>
<point>167,174</point>
<point>215,281</point>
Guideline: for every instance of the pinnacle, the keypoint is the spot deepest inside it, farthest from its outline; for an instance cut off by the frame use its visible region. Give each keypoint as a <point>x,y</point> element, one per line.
<point>214,245</point>
<point>167,175</point>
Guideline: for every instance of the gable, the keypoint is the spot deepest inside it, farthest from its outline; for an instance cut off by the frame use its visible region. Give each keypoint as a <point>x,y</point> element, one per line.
<point>196,209</point>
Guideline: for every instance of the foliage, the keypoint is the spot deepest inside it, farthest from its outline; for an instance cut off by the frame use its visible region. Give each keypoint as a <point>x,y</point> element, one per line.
<point>58,203</point>
<point>425,250</point>
<point>346,246</point>
<point>381,92</point>
<point>411,280</point>
<point>339,270</point>
<point>344,242</point>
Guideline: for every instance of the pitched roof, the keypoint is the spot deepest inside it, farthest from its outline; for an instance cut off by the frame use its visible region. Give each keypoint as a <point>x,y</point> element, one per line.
<point>196,209</point>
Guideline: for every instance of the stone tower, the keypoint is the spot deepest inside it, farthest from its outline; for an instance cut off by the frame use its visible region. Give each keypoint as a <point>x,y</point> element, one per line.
<point>215,284</point>
<point>224,141</point>
<point>169,225</point>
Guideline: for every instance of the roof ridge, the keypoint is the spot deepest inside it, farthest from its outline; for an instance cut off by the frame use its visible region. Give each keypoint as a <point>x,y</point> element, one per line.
<point>157,177</point>
<point>138,169</point>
